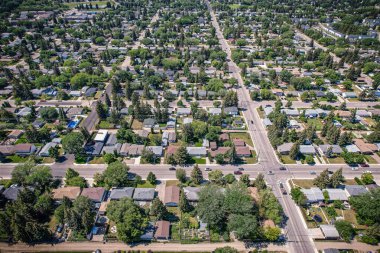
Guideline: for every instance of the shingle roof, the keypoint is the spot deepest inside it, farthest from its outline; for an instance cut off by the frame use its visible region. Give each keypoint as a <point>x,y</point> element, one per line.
<point>118,193</point>
<point>144,194</point>
<point>71,192</point>
<point>94,193</point>
<point>355,190</point>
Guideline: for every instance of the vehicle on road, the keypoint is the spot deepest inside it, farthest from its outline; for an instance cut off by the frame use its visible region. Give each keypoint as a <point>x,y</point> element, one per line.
<point>354,168</point>
<point>312,172</point>
<point>207,169</point>
<point>252,122</point>
<point>270,172</point>
<point>364,165</point>
<point>238,172</point>
<point>282,168</point>
<point>171,168</point>
<point>241,169</point>
<point>282,188</point>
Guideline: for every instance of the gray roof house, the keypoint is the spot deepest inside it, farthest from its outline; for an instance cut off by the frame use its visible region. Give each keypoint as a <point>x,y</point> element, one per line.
<point>336,149</point>
<point>112,149</point>
<point>337,194</point>
<point>192,193</point>
<point>149,123</point>
<point>313,195</point>
<point>311,113</point>
<point>352,148</point>
<point>157,150</point>
<point>291,112</point>
<point>329,231</point>
<point>355,190</point>
<point>196,151</point>
<point>183,111</point>
<point>268,110</point>
<point>307,149</point>
<point>267,122</point>
<point>144,194</point>
<point>118,193</point>
<point>95,149</point>
<point>284,149</point>
<point>45,149</point>
<point>232,110</point>
<point>215,111</point>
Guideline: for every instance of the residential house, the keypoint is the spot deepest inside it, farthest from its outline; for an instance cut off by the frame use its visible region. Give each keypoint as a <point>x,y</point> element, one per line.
<point>355,190</point>
<point>24,149</point>
<point>96,194</point>
<point>196,151</point>
<point>311,113</point>
<point>313,195</point>
<point>131,149</point>
<point>291,112</point>
<point>143,195</point>
<point>157,150</point>
<point>233,110</point>
<point>15,134</point>
<point>44,152</point>
<point>112,149</point>
<point>267,123</point>
<point>352,148</point>
<point>349,95</point>
<point>329,232</point>
<point>243,151</point>
<point>336,149</point>
<point>183,111</point>
<point>337,194</point>
<point>364,147</point>
<point>171,196</point>
<point>101,136</point>
<point>70,192</point>
<point>94,149</point>
<point>284,149</point>
<point>11,192</point>
<point>192,193</point>
<point>119,193</point>
<point>307,149</point>
<point>162,230</point>
<point>149,123</point>
<point>215,111</point>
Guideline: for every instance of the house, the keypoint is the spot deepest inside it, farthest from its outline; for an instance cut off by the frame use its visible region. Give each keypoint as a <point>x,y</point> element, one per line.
<point>45,149</point>
<point>74,111</point>
<point>149,123</point>
<point>343,114</point>
<point>267,123</point>
<point>112,140</point>
<point>131,149</point>
<point>329,232</point>
<point>94,149</point>
<point>112,149</point>
<point>233,110</point>
<point>15,134</point>
<point>307,149</point>
<point>11,192</point>
<point>7,150</point>
<point>71,192</point>
<point>213,145</point>
<point>224,137</point>
<point>162,230</point>
<point>119,193</point>
<point>278,92</point>
<point>183,111</point>
<point>24,149</point>
<point>336,149</point>
<point>311,113</point>
<point>352,148</point>
<point>90,92</point>
<point>192,193</point>
<point>215,111</point>
<point>294,124</point>
<point>355,190</point>
<point>238,142</point>
<point>291,112</point>
<point>96,194</point>
<point>101,136</point>
<point>284,149</point>
<point>363,113</point>
<point>196,151</point>
<point>243,151</point>
<point>349,95</point>
<point>187,121</point>
<point>143,194</point>
<point>171,196</point>
<point>337,194</point>
<point>313,195</point>
<point>364,147</point>
<point>268,110</point>
<point>157,150</point>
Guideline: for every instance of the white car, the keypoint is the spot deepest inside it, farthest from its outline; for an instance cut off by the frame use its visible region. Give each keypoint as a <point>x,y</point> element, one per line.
<point>354,168</point>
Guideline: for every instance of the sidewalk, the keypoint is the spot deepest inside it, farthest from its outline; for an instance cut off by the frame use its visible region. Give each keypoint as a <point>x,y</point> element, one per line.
<point>112,247</point>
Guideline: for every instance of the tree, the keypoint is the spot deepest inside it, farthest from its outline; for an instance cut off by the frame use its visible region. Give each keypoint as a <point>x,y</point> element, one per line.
<point>237,200</point>
<point>345,230</point>
<point>229,178</point>
<point>181,156</point>
<point>272,234</point>
<point>158,209</point>
<point>367,207</point>
<point>73,143</point>
<point>244,226</point>
<point>216,177</point>
<point>181,175</point>
<point>245,179</point>
<point>72,178</point>
<point>230,99</point>
<point>109,158</point>
<point>226,249</point>
<point>116,175</point>
<point>49,114</point>
<point>151,178</point>
<point>80,217</point>
<point>130,219</point>
<point>101,110</point>
<point>210,207</point>
<point>367,178</point>
<point>270,208</point>
<point>184,205</point>
<point>337,178</point>
<point>323,180</point>
<point>30,174</point>
<point>54,152</point>
<point>196,175</point>
<point>294,151</point>
<point>148,156</point>
<point>259,182</point>
<point>298,196</point>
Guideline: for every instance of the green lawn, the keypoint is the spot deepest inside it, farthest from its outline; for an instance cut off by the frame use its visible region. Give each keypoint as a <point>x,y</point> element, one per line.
<point>136,125</point>
<point>287,160</point>
<point>199,160</point>
<point>172,182</point>
<point>146,184</point>
<point>243,136</point>
<point>317,122</point>
<point>336,160</point>
<point>303,183</point>
<point>106,125</point>
<point>16,159</point>
<point>97,160</point>
<point>261,113</point>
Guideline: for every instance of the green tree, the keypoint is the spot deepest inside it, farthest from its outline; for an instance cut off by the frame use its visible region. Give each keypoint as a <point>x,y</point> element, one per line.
<point>245,179</point>
<point>270,208</point>
<point>116,175</point>
<point>210,207</point>
<point>367,178</point>
<point>260,182</point>
<point>181,175</point>
<point>226,249</point>
<point>245,226</point>
<point>237,200</point>
<point>80,217</point>
<point>345,230</point>
<point>196,175</point>
<point>49,114</point>
<point>272,234</point>
<point>158,209</point>
<point>337,178</point>
<point>323,180</point>
<point>151,178</point>
<point>130,219</point>
<point>181,156</point>
<point>294,151</point>
<point>184,204</point>
<point>54,152</point>
<point>216,177</point>
<point>73,143</point>
<point>298,196</point>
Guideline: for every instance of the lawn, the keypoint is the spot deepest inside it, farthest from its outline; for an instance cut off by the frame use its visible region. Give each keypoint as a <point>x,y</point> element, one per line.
<point>370,159</point>
<point>106,125</point>
<point>172,182</point>
<point>336,160</point>
<point>146,184</point>
<point>243,136</point>
<point>174,232</point>
<point>16,159</point>
<point>261,113</point>
<point>48,160</point>
<point>53,223</point>
<point>234,6</point>
<point>287,160</point>
<point>316,122</point>
<point>303,183</point>
<point>97,160</point>
<point>199,160</point>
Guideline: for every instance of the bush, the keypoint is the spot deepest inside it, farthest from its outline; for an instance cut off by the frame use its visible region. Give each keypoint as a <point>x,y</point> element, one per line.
<point>345,229</point>
<point>369,240</point>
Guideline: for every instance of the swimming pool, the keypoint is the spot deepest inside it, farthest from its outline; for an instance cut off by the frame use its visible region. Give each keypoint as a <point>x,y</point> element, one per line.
<point>73,124</point>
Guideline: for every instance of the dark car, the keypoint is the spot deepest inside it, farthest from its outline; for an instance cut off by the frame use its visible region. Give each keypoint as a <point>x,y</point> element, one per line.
<point>317,218</point>
<point>238,172</point>
<point>171,168</point>
<point>364,165</point>
<point>282,168</point>
<point>251,121</point>
<point>241,169</point>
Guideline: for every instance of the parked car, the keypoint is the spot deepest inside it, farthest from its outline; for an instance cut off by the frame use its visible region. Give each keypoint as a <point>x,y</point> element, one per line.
<point>241,169</point>
<point>312,172</point>
<point>270,172</point>
<point>171,168</point>
<point>364,165</point>
<point>282,168</point>
<point>238,172</point>
<point>207,169</point>
<point>354,168</point>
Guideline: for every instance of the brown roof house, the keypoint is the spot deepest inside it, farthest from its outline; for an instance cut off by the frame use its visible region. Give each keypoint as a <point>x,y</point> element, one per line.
<point>96,194</point>
<point>25,149</point>
<point>171,196</point>
<point>6,150</point>
<point>243,151</point>
<point>238,142</point>
<point>162,230</point>
<point>71,192</point>
<point>364,147</point>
